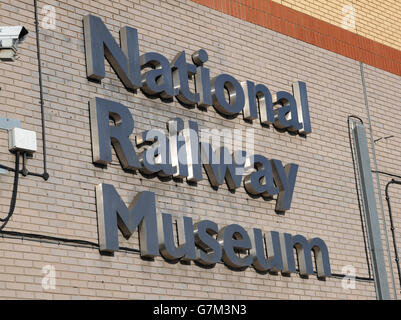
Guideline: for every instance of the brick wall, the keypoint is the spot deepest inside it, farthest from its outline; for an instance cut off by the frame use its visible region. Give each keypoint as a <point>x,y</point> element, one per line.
<point>324,204</point>
<point>376,20</point>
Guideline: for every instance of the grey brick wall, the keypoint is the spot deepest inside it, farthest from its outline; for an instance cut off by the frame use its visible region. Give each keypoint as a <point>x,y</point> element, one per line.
<point>324,204</point>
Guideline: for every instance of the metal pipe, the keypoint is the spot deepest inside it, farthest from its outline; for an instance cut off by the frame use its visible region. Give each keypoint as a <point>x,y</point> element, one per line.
<point>45,174</point>
<point>397,260</point>
<point>370,210</point>
<point>365,95</point>
<point>356,176</point>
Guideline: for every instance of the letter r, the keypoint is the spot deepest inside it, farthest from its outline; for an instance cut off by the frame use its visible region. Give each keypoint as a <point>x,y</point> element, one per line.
<point>104,134</point>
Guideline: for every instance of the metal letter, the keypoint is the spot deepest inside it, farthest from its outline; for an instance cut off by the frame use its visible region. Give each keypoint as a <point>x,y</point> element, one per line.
<point>191,135</point>
<point>130,46</point>
<point>178,150</point>
<point>220,164</point>
<point>265,104</point>
<point>156,157</point>
<point>262,180</point>
<point>202,79</point>
<point>182,72</point>
<point>210,250</point>
<point>285,113</point>
<point>287,253</point>
<point>112,212</point>
<point>250,110</point>
<point>285,178</point>
<point>99,43</point>
<point>186,238</point>
<point>236,94</point>
<point>158,80</point>
<point>200,57</point>
<point>232,238</point>
<point>304,255</point>
<point>167,245</point>
<point>258,95</point>
<point>266,251</point>
<point>304,248</point>
<point>101,110</point>
<point>321,257</point>
<point>301,98</point>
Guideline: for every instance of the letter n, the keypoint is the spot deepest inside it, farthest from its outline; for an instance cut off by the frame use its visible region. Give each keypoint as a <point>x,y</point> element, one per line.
<point>112,213</point>
<point>99,43</point>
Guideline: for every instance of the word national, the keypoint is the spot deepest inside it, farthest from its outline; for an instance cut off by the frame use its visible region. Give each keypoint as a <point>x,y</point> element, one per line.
<point>156,76</point>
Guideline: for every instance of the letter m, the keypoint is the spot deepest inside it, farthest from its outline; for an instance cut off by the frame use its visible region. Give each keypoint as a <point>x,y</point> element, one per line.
<point>112,213</point>
<point>100,44</point>
<point>304,250</point>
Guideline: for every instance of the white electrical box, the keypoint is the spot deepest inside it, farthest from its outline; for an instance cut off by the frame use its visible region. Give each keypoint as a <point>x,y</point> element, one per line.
<point>22,140</point>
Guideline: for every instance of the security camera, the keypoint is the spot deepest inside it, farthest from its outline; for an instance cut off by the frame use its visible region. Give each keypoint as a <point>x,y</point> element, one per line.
<point>10,38</point>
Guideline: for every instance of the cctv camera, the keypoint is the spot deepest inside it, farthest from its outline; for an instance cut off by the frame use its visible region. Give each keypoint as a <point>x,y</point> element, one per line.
<point>10,38</point>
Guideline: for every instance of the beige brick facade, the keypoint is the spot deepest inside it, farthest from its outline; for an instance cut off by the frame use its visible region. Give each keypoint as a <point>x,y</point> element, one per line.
<point>376,20</point>
<point>325,201</point>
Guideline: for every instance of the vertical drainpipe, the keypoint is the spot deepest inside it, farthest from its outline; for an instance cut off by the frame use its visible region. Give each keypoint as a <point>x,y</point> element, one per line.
<point>380,274</point>
<point>45,174</point>
<point>370,209</point>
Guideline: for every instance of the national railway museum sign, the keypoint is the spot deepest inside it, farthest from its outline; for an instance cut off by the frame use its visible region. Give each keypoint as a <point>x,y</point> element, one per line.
<point>180,153</point>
